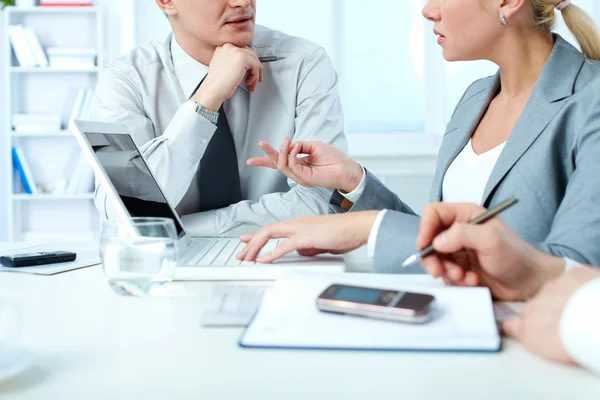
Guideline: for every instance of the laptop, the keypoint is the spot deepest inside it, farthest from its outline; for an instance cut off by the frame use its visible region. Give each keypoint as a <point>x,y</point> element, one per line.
<point>135,192</point>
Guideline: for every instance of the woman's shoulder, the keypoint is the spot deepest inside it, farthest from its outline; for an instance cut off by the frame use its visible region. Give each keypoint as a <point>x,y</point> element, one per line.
<point>475,88</point>
<point>589,77</point>
<point>481,84</point>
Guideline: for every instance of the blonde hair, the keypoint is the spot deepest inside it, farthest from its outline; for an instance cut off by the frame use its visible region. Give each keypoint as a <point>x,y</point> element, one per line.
<point>577,20</point>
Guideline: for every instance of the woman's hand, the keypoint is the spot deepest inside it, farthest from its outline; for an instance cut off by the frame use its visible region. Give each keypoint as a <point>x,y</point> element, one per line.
<point>323,165</point>
<point>309,236</point>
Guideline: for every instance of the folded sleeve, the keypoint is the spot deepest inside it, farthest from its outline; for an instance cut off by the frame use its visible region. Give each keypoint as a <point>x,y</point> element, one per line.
<point>580,326</point>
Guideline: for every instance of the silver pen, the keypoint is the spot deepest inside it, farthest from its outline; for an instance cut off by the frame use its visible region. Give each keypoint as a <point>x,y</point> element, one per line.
<point>269,59</point>
<point>427,251</point>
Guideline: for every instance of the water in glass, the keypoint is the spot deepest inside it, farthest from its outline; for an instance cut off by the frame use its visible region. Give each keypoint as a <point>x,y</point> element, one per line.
<point>139,255</point>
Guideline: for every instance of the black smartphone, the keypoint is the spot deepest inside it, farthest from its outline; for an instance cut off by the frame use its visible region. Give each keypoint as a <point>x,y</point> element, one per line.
<point>391,305</point>
<point>37,258</point>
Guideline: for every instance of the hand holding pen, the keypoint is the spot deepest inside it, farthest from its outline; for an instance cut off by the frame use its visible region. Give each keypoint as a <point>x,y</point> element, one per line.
<point>230,65</point>
<point>488,254</point>
<point>485,216</point>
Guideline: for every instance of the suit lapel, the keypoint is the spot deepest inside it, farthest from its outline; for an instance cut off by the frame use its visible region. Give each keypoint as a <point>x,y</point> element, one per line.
<point>460,129</point>
<point>553,87</point>
<point>535,118</point>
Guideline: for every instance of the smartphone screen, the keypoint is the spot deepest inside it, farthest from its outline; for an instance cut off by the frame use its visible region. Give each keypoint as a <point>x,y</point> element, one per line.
<point>357,295</point>
<point>393,299</point>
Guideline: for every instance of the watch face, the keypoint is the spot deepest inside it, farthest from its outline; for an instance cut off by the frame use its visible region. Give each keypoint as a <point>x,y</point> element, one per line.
<point>191,104</point>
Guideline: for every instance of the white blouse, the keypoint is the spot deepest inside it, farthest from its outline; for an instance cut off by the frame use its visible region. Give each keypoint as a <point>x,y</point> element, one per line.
<point>467,176</point>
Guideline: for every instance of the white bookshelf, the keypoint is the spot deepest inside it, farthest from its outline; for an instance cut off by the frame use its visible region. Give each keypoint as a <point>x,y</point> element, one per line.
<point>37,70</point>
<point>61,133</point>
<point>52,197</point>
<point>53,10</point>
<point>47,216</point>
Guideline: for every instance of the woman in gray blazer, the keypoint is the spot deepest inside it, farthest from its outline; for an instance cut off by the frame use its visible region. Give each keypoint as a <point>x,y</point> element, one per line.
<point>531,131</point>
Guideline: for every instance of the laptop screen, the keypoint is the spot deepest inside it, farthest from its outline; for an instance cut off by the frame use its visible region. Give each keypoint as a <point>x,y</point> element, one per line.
<point>130,176</point>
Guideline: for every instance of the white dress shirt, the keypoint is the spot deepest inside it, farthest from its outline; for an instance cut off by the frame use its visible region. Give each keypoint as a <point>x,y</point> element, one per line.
<point>580,326</point>
<point>467,176</point>
<point>298,98</point>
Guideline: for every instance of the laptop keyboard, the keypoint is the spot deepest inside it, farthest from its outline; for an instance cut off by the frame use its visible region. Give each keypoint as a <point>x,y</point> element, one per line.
<point>223,252</point>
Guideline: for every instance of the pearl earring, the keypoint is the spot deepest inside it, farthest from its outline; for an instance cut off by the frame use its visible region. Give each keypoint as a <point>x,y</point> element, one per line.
<point>503,20</point>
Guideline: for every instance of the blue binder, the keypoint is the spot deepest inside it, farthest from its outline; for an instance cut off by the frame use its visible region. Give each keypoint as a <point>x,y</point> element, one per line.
<point>18,166</point>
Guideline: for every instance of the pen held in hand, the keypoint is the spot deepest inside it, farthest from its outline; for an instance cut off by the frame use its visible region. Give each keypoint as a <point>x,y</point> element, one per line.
<point>429,250</point>
<point>269,59</point>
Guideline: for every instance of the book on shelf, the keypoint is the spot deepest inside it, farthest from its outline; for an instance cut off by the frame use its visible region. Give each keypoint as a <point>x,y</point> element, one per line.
<point>23,171</point>
<point>82,178</point>
<point>30,53</point>
<point>72,57</point>
<point>60,51</point>
<point>36,122</point>
<point>86,108</point>
<point>71,64</point>
<point>23,52</point>
<point>36,48</point>
<point>26,45</point>
<point>78,105</point>
<point>65,3</point>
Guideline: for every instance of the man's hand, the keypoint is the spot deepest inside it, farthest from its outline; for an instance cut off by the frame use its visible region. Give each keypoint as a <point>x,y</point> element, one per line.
<point>336,234</point>
<point>490,254</point>
<point>227,69</point>
<point>538,326</point>
<point>324,165</point>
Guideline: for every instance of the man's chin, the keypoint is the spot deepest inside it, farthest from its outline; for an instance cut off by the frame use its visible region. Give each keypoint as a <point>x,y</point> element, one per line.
<point>241,42</point>
<point>241,38</point>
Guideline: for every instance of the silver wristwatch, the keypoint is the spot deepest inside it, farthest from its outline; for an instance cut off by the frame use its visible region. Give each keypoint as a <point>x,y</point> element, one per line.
<point>212,116</point>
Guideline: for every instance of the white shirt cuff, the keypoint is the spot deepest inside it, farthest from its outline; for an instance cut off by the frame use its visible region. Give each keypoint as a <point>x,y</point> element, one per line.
<point>354,195</point>
<point>580,326</point>
<point>201,224</point>
<point>372,243</point>
<point>570,264</point>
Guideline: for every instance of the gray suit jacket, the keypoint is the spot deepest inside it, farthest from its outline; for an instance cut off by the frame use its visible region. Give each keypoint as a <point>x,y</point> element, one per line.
<point>551,163</point>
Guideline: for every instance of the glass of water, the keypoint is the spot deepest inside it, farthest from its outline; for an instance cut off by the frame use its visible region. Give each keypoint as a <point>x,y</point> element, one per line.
<point>139,255</point>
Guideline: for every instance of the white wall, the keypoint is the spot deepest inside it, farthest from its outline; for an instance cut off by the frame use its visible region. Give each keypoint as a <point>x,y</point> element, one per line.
<point>119,25</point>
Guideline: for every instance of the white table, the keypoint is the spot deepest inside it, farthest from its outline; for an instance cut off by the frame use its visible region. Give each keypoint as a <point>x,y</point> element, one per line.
<point>92,344</point>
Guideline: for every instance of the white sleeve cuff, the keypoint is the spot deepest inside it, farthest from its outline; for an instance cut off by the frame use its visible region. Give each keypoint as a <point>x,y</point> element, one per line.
<point>371,245</point>
<point>201,224</point>
<point>189,132</point>
<point>570,264</point>
<point>580,326</point>
<point>354,195</point>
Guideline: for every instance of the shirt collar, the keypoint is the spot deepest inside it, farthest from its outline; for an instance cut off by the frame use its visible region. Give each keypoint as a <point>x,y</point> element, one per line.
<point>189,72</point>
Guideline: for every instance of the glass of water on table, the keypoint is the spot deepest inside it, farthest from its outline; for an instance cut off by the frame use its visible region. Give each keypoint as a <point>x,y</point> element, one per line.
<point>139,255</point>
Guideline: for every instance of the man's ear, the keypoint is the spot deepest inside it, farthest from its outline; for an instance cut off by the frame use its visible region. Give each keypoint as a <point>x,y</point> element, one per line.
<point>167,7</point>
